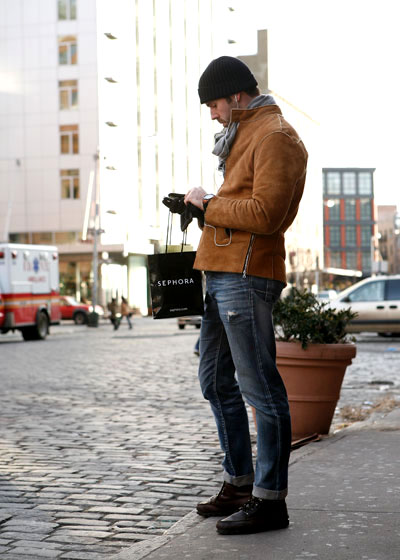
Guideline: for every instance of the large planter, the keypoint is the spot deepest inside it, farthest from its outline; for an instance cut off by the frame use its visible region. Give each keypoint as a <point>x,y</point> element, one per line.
<point>313,378</point>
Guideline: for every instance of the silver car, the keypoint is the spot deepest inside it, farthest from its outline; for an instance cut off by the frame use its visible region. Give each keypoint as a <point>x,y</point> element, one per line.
<point>376,301</point>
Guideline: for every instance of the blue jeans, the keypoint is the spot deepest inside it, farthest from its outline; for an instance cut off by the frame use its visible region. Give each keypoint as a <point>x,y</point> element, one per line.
<point>237,335</point>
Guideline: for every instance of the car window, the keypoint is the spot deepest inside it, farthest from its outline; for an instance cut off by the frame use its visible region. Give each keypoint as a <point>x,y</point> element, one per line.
<point>393,289</point>
<point>373,291</point>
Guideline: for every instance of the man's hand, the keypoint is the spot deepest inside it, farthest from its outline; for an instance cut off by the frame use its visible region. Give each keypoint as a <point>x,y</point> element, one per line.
<point>195,196</point>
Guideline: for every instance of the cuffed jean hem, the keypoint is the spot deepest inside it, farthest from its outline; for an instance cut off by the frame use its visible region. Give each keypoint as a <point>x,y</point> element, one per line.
<point>244,480</point>
<point>264,494</point>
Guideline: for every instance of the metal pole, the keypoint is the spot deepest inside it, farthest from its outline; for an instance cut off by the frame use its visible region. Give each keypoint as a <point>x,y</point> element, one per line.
<point>93,318</point>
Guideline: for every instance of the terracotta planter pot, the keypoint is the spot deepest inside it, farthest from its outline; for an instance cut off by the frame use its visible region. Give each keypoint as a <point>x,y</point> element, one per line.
<point>313,379</point>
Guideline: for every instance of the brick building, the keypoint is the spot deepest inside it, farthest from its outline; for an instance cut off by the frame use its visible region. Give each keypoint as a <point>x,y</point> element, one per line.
<point>350,241</point>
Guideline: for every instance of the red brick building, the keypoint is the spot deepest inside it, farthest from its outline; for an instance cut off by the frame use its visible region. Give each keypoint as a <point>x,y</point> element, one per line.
<point>349,219</point>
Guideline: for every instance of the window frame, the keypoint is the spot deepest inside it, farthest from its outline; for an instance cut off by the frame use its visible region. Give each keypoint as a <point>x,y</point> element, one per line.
<point>66,44</point>
<point>362,192</point>
<point>346,185</point>
<point>335,229</point>
<point>351,235</point>
<point>350,203</point>
<point>365,287</point>
<point>364,202</point>
<point>70,7</point>
<point>73,139</point>
<point>337,188</point>
<point>389,283</point>
<point>69,88</point>
<point>72,178</point>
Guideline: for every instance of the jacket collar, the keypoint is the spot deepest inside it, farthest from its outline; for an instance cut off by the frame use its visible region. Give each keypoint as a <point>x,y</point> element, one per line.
<point>248,115</point>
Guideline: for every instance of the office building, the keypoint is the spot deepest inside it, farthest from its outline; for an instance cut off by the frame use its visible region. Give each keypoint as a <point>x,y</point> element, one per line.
<point>350,241</point>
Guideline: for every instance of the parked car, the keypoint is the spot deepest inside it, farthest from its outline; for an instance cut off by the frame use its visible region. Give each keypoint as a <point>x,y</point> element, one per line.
<point>326,295</point>
<point>195,320</point>
<point>77,311</point>
<point>376,301</point>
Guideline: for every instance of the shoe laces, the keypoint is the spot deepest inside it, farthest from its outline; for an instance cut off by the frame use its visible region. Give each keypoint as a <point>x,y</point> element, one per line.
<point>251,505</point>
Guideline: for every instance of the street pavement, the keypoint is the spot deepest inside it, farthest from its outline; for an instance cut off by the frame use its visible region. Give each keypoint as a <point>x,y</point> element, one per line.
<point>343,505</point>
<point>106,442</point>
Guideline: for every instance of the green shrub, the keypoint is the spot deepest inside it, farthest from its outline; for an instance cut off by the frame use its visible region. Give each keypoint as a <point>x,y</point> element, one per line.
<point>300,316</point>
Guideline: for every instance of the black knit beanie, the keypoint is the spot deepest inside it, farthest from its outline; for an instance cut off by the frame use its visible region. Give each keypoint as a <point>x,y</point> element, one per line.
<point>223,77</point>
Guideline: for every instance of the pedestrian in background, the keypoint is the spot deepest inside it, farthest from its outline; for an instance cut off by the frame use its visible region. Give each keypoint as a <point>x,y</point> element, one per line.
<point>114,313</point>
<point>242,252</point>
<point>126,311</point>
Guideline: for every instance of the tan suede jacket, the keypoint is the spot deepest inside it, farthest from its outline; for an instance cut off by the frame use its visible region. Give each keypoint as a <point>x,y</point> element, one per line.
<point>264,181</point>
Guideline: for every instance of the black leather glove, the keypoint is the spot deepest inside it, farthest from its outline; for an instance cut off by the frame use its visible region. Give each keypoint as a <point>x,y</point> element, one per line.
<point>175,203</point>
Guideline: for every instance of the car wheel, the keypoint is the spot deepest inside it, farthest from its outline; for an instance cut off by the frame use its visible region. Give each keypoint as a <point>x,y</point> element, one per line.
<point>39,331</point>
<point>27,333</point>
<point>181,327</point>
<point>42,326</point>
<point>80,318</point>
<point>198,326</point>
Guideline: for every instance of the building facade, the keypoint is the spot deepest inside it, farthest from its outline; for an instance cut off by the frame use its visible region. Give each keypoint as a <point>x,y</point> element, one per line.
<point>388,236</point>
<point>99,105</point>
<point>100,119</point>
<point>350,235</point>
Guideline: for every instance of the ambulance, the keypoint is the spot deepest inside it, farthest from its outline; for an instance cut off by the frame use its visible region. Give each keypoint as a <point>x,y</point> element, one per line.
<point>29,289</point>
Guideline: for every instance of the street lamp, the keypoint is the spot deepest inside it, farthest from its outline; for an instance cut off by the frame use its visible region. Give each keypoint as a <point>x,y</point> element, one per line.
<point>93,318</point>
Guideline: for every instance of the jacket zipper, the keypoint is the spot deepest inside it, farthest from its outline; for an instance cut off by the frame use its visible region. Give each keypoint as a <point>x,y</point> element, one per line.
<point>249,249</point>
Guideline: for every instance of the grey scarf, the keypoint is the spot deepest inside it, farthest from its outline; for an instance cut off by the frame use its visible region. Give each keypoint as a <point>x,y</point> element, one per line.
<point>225,138</point>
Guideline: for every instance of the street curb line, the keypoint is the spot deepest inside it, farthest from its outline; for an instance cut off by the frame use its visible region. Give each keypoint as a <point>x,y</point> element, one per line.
<point>144,548</point>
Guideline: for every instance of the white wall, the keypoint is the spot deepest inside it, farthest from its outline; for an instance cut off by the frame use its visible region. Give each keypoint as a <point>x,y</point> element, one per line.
<point>30,115</point>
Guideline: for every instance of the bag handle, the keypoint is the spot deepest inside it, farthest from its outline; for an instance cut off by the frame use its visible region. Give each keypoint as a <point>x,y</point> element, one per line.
<point>169,234</point>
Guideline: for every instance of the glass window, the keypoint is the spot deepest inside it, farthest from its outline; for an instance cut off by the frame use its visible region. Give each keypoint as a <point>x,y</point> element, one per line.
<point>351,236</point>
<point>69,139</point>
<point>42,237</point>
<point>333,183</point>
<point>366,262</point>
<point>67,50</point>
<point>336,259</point>
<point>365,208</point>
<point>349,182</point>
<point>373,291</point>
<point>351,260</point>
<point>334,209</point>
<point>364,183</point>
<point>19,238</point>
<point>70,183</point>
<point>366,234</point>
<point>66,9</point>
<point>350,209</point>
<point>334,236</point>
<point>68,94</point>
<point>393,290</point>
<point>63,237</point>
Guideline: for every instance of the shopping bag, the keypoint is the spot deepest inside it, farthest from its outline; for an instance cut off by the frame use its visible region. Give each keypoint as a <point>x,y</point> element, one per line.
<point>175,287</point>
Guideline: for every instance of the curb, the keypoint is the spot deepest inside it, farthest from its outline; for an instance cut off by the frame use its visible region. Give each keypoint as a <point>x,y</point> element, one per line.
<point>142,549</point>
<point>379,421</point>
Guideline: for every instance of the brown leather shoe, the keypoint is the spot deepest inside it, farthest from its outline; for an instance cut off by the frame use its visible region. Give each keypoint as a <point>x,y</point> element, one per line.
<point>254,517</point>
<point>228,500</point>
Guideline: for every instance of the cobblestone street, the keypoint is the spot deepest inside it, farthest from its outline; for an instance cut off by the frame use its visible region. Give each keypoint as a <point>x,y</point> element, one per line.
<point>106,440</point>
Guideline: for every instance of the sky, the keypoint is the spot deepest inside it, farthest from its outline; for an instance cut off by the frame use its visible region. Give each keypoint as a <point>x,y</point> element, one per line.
<point>339,62</point>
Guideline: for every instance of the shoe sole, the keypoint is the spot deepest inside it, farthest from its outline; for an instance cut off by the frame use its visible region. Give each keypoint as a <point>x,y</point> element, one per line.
<point>218,513</point>
<point>243,530</point>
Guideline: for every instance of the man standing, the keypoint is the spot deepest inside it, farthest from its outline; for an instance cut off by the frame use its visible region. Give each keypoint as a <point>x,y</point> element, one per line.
<point>242,252</point>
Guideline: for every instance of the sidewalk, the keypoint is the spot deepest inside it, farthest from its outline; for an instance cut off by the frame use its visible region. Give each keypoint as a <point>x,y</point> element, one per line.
<point>344,504</point>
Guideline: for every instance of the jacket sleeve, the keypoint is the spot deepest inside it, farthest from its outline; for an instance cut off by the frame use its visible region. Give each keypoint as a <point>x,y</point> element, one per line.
<point>279,166</point>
